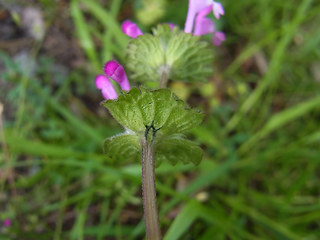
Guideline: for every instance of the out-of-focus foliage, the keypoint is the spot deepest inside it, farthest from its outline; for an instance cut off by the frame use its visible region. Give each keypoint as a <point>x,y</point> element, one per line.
<point>259,178</point>
<point>151,11</point>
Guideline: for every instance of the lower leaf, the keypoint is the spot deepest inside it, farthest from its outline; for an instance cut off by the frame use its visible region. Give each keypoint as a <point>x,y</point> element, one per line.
<point>175,148</point>
<point>123,147</point>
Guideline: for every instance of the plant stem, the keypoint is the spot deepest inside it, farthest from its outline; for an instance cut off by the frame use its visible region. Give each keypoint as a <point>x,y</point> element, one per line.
<point>149,192</point>
<point>163,78</point>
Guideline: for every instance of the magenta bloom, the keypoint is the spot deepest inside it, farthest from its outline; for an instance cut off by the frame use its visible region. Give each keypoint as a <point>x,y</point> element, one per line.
<point>218,38</point>
<point>107,89</point>
<point>171,25</point>
<point>7,222</point>
<point>131,29</point>
<point>116,72</point>
<point>197,22</point>
<point>204,25</point>
<point>194,7</point>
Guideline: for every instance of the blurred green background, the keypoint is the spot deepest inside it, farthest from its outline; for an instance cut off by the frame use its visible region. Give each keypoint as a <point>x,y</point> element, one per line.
<point>259,178</point>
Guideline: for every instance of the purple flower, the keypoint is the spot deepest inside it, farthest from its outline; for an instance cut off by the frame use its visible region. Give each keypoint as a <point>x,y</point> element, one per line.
<point>197,22</point>
<point>131,29</point>
<point>194,7</point>
<point>171,25</point>
<point>107,89</point>
<point>217,9</point>
<point>204,25</point>
<point>116,72</point>
<point>218,38</point>
<point>7,222</point>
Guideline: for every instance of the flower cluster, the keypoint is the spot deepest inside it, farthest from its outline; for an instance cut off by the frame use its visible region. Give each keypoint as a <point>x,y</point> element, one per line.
<point>115,71</point>
<point>196,23</point>
<point>197,16</point>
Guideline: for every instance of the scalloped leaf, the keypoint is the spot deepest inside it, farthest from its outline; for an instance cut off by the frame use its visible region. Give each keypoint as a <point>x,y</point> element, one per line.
<point>160,108</point>
<point>176,148</point>
<point>125,146</point>
<point>162,115</point>
<point>129,108</point>
<point>184,56</point>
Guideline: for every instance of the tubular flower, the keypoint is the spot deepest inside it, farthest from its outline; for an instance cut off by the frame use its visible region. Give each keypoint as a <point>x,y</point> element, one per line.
<point>116,72</point>
<point>197,12</point>
<point>196,22</point>
<point>107,89</point>
<point>203,25</point>
<point>131,29</point>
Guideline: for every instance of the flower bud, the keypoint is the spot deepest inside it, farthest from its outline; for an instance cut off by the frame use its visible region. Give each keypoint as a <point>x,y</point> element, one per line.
<point>115,71</point>
<point>131,29</point>
<point>107,89</point>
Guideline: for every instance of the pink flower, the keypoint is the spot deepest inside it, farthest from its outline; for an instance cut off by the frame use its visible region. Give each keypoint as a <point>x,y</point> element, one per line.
<point>7,222</point>
<point>218,38</point>
<point>131,29</point>
<point>196,22</point>
<point>171,25</point>
<point>107,89</point>
<point>197,12</point>
<point>116,72</point>
<point>203,25</point>
<point>194,7</point>
<point>217,9</point>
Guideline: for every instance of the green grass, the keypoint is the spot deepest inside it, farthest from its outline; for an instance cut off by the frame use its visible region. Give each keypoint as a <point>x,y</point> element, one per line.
<point>261,137</point>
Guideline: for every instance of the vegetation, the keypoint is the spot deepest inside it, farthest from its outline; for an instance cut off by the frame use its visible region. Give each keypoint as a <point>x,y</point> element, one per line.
<point>259,177</point>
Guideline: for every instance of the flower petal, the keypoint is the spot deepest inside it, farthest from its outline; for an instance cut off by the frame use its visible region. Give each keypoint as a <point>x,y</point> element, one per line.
<point>194,7</point>
<point>217,9</point>
<point>103,83</point>
<point>204,25</point>
<point>218,38</point>
<point>115,71</point>
<point>131,29</point>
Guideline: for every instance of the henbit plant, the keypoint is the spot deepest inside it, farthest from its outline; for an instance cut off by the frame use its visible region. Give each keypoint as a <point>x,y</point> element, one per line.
<point>155,121</point>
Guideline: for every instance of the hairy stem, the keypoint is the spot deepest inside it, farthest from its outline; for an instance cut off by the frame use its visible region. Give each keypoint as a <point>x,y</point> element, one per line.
<point>163,78</point>
<point>149,192</point>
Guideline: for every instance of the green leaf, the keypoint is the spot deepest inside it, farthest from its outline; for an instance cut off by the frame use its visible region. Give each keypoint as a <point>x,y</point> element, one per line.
<point>82,31</point>
<point>161,109</point>
<point>123,147</point>
<point>183,56</point>
<point>161,117</point>
<point>126,110</point>
<point>151,11</point>
<point>176,148</point>
<point>281,119</point>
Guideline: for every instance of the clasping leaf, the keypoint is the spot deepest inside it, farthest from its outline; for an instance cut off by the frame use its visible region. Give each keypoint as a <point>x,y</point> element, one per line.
<point>161,117</point>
